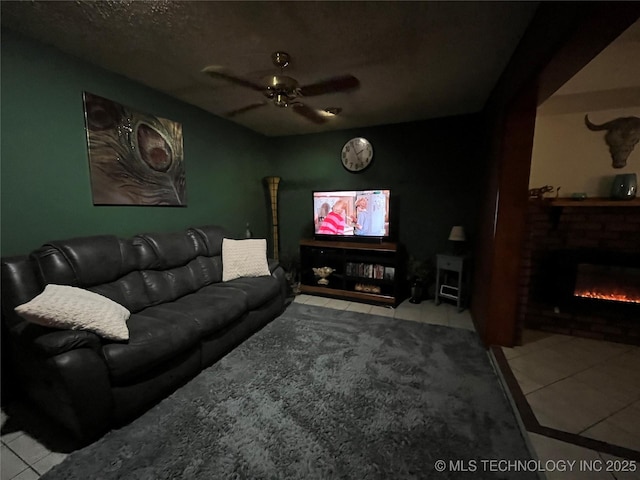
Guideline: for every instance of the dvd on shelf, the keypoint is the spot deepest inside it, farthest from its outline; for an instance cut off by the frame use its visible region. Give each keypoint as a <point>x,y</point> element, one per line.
<point>369,270</point>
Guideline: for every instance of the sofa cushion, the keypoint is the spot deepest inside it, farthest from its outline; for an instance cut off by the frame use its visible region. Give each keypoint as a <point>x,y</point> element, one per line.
<point>156,335</point>
<point>140,289</point>
<point>129,291</point>
<point>256,290</point>
<point>210,310</point>
<point>167,285</point>
<point>88,261</point>
<point>244,258</point>
<point>173,249</point>
<point>71,308</point>
<point>211,236</point>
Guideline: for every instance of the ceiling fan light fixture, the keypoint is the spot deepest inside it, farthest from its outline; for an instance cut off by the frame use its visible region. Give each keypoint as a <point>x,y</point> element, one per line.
<point>281,82</point>
<point>332,111</point>
<point>284,91</point>
<point>281,101</point>
<point>280,59</point>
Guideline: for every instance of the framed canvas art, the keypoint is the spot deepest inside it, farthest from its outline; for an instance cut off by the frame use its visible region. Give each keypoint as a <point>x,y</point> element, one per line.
<point>134,158</point>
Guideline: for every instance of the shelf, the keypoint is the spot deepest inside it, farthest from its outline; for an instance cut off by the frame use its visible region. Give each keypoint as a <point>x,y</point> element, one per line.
<point>590,202</point>
<point>377,281</point>
<point>339,293</point>
<point>449,296</point>
<point>375,265</point>
<point>351,245</point>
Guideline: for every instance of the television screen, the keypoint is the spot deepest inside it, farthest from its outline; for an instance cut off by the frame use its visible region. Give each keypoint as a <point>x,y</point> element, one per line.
<point>351,213</point>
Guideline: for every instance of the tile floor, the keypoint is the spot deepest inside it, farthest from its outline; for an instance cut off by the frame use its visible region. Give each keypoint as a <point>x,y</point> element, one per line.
<point>555,372</point>
<point>581,386</point>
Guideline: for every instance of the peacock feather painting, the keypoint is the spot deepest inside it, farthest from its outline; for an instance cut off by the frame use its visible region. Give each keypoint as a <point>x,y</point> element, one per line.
<point>134,158</point>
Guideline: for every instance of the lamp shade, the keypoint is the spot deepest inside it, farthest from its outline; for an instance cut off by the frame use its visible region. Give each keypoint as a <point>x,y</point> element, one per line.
<point>457,234</point>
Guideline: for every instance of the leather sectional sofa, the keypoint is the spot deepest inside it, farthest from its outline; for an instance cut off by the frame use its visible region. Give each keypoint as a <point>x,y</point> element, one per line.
<point>183,318</point>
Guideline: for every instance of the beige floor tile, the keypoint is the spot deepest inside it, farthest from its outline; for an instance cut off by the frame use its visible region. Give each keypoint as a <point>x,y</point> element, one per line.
<point>337,304</point>
<point>28,474</point>
<point>621,428</point>
<point>407,305</point>
<point>550,449</point>
<point>28,449</point>
<point>589,352</point>
<point>10,464</point>
<point>541,343</point>
<point>629,361</point>
<point>11,436</point>
<point>628,419</point>
<point>571,406</point>
<point>526,384</point>
<point>614,379</point>
<point>610,433</point>
<point>405,312</point>
<point>461,320</point>
<point>45,464</point>
<point>543,339</point>
<point>317,301</point>
<point>623,468</point>
<point>571,381</point>
<point>510,352</point>
<point>434,318</point>
<point>359,307</point>
<point>382,311</point>
<point>302,298</point>
<point>546,366</point>
<point>432,314</point>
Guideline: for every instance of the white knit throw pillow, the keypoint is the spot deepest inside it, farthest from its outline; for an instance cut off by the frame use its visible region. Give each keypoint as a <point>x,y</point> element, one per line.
<point>244,258</point>
<point>72,308</point>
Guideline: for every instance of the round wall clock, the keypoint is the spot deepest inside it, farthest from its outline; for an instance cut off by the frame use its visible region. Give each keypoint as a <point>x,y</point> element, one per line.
<point>357,154</point>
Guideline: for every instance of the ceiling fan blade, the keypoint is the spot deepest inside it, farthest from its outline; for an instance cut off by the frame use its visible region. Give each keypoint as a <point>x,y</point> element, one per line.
<point>335,84</point>
<point>217,72</point>
<point>248,108</point>
<point>308,112</point>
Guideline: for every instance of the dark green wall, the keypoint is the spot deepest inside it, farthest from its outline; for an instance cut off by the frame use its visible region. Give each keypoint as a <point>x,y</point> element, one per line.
<point>45,185</point>
<point>430,166</point>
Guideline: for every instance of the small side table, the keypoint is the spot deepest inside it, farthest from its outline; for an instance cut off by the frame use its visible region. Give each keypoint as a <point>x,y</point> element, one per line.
<point>450,279</point>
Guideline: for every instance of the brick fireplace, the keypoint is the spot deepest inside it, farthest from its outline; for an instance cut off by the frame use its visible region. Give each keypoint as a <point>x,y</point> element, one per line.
<point>581,270</point>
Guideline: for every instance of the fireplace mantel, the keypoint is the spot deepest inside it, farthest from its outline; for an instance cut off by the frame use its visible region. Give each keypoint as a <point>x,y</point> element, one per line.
<point>590,202</point>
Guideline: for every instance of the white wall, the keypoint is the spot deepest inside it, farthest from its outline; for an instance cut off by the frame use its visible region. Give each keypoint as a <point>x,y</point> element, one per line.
<point>568,155</point>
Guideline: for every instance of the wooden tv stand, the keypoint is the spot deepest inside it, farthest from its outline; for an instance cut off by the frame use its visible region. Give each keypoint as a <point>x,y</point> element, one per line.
<point>364,272</point>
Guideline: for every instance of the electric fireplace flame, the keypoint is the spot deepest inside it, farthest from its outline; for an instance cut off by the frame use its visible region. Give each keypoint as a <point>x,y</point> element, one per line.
<point>604,282</point>
<point>616,297</point>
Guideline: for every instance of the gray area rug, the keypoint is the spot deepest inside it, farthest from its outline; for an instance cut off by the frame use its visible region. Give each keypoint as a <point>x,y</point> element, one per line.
<point>322,394</point>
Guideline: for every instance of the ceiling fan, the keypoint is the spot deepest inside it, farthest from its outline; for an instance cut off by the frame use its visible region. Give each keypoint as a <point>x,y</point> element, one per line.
<point>283,91</point>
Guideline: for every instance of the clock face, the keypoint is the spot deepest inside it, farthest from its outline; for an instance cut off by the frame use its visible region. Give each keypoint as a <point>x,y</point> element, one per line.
<point>357,154</point>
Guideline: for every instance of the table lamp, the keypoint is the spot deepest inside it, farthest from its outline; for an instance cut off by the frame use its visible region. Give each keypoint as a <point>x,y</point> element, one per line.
<point>458,237</point>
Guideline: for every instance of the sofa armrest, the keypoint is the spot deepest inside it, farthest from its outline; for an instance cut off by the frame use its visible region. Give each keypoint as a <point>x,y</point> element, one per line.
<point>63,372</point>
<point>62,341</point>
<point>79,392</point>
<point>277,271</point>
<point>273,264</point>
<point>47,342</point>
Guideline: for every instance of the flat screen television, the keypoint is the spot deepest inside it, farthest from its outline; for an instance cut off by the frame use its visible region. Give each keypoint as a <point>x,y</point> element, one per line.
<point>352,214</point>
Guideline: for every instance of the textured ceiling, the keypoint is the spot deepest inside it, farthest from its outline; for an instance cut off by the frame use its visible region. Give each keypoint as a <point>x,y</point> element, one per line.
<point>414,60</point>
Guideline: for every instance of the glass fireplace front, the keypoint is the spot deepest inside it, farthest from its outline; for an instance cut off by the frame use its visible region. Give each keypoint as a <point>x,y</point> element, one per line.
<point>606,282</point>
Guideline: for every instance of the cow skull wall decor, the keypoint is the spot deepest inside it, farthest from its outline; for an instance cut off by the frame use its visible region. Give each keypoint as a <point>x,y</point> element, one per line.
<point>622,135</point>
